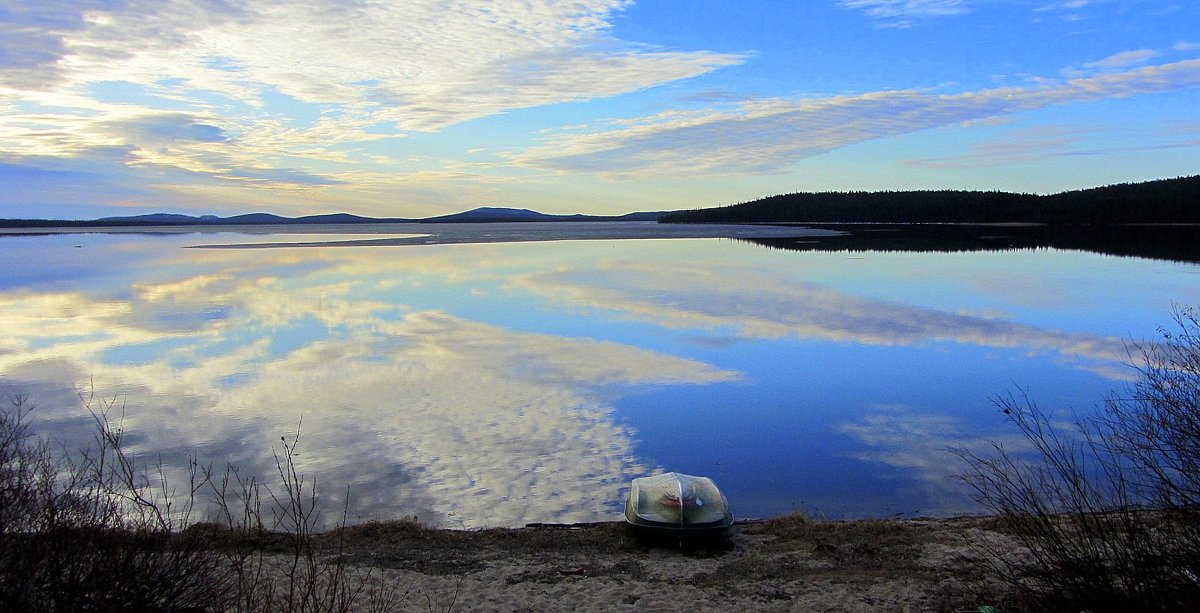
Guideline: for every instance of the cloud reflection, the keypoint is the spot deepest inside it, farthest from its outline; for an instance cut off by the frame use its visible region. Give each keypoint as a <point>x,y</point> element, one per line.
<point>420,412</point>
<point>917,445</point>
<point>406,395</point>
<point>767,306</point>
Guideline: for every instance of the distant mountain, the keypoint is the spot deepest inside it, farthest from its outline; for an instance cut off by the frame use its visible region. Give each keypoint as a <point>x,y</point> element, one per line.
<point>1167,201</point>
<point>337,218</point>
<point>161,218</point>
<point>172,219</point>
<point>479,215</point>
<point>489,214</point>
<point>254,218</point>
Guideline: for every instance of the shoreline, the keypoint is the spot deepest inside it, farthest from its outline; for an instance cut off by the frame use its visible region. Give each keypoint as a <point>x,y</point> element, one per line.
<point>417,234</point>
<point>779,564</point>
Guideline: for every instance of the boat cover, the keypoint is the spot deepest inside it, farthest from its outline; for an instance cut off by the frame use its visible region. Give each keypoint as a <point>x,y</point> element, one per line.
<point>676,502</point>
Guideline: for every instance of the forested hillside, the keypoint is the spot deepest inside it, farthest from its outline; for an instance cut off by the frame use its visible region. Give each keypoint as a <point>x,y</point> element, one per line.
<point>1163,201</point>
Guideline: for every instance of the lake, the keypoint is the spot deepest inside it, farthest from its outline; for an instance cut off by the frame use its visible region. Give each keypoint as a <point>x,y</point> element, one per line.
<point>473,381</point>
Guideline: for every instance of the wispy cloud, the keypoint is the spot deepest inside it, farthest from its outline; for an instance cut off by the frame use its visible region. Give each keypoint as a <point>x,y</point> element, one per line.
<point>1069,5</point>
<point>1124,59</point>
<point>769,136</point>
<point>902,13</point>
<point>163,130</point>
<point>1016,148</point>
<point>1050,142</point>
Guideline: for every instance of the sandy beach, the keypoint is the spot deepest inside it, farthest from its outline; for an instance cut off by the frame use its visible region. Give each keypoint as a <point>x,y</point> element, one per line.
<point>784,564</point>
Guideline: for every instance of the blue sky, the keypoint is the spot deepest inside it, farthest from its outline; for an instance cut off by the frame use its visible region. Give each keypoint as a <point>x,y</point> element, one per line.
<point>424,107</point>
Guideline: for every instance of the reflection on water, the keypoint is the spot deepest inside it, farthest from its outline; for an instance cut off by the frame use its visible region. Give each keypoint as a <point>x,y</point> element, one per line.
<point>478,385</point>
<point>1167,242</point>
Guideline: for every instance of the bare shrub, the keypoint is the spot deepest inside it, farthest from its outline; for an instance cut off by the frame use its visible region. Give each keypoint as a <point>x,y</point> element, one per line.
<point>90,532</point>
<point>312,583</point>
<point>1109,509</point>
<point>95,530</point>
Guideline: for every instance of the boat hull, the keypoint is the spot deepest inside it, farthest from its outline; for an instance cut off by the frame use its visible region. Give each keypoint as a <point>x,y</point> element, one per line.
<point>675,503</point>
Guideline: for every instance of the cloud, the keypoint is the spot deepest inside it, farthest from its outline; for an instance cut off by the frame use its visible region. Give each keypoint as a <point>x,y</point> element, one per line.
<point>1124,59</point>
<point>1016,148</point>
<point>43,182</point>
<point>206,97</point>
<point>1069,5</point>
<point>31,42</point>
<point>901,13</point>
<point>138,148</point>
<point>164,129</point>
<point>280,176</point>
<point>422,65</point>
<point>1050,142</point>
<point>769,136</point>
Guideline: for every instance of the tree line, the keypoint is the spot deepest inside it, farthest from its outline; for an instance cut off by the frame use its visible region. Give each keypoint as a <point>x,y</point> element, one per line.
<point>1166,201</point>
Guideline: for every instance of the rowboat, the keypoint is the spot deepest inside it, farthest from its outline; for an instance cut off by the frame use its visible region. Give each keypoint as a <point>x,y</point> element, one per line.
<point>677,503</point>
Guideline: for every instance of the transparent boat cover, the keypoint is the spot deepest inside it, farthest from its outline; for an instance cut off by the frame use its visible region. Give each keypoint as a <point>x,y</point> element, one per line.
<point>677,502</point>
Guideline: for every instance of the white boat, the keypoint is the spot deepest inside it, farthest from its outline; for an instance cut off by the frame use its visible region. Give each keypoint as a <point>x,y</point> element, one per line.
<point>677,503</point>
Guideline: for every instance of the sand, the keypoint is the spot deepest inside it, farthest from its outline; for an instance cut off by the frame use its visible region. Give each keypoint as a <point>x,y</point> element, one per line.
<point>786,564</point>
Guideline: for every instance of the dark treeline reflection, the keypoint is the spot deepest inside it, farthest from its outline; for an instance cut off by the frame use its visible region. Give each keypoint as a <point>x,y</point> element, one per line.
<point>1172,243</point>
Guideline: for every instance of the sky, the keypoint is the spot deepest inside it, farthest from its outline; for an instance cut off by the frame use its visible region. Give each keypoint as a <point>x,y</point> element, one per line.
<point>414,108</point>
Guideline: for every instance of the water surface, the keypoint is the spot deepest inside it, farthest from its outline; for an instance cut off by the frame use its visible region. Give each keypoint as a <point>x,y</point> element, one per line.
<point>501,383</point>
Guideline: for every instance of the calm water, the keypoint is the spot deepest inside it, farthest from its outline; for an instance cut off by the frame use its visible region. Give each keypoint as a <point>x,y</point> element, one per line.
<point>505,383</point>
